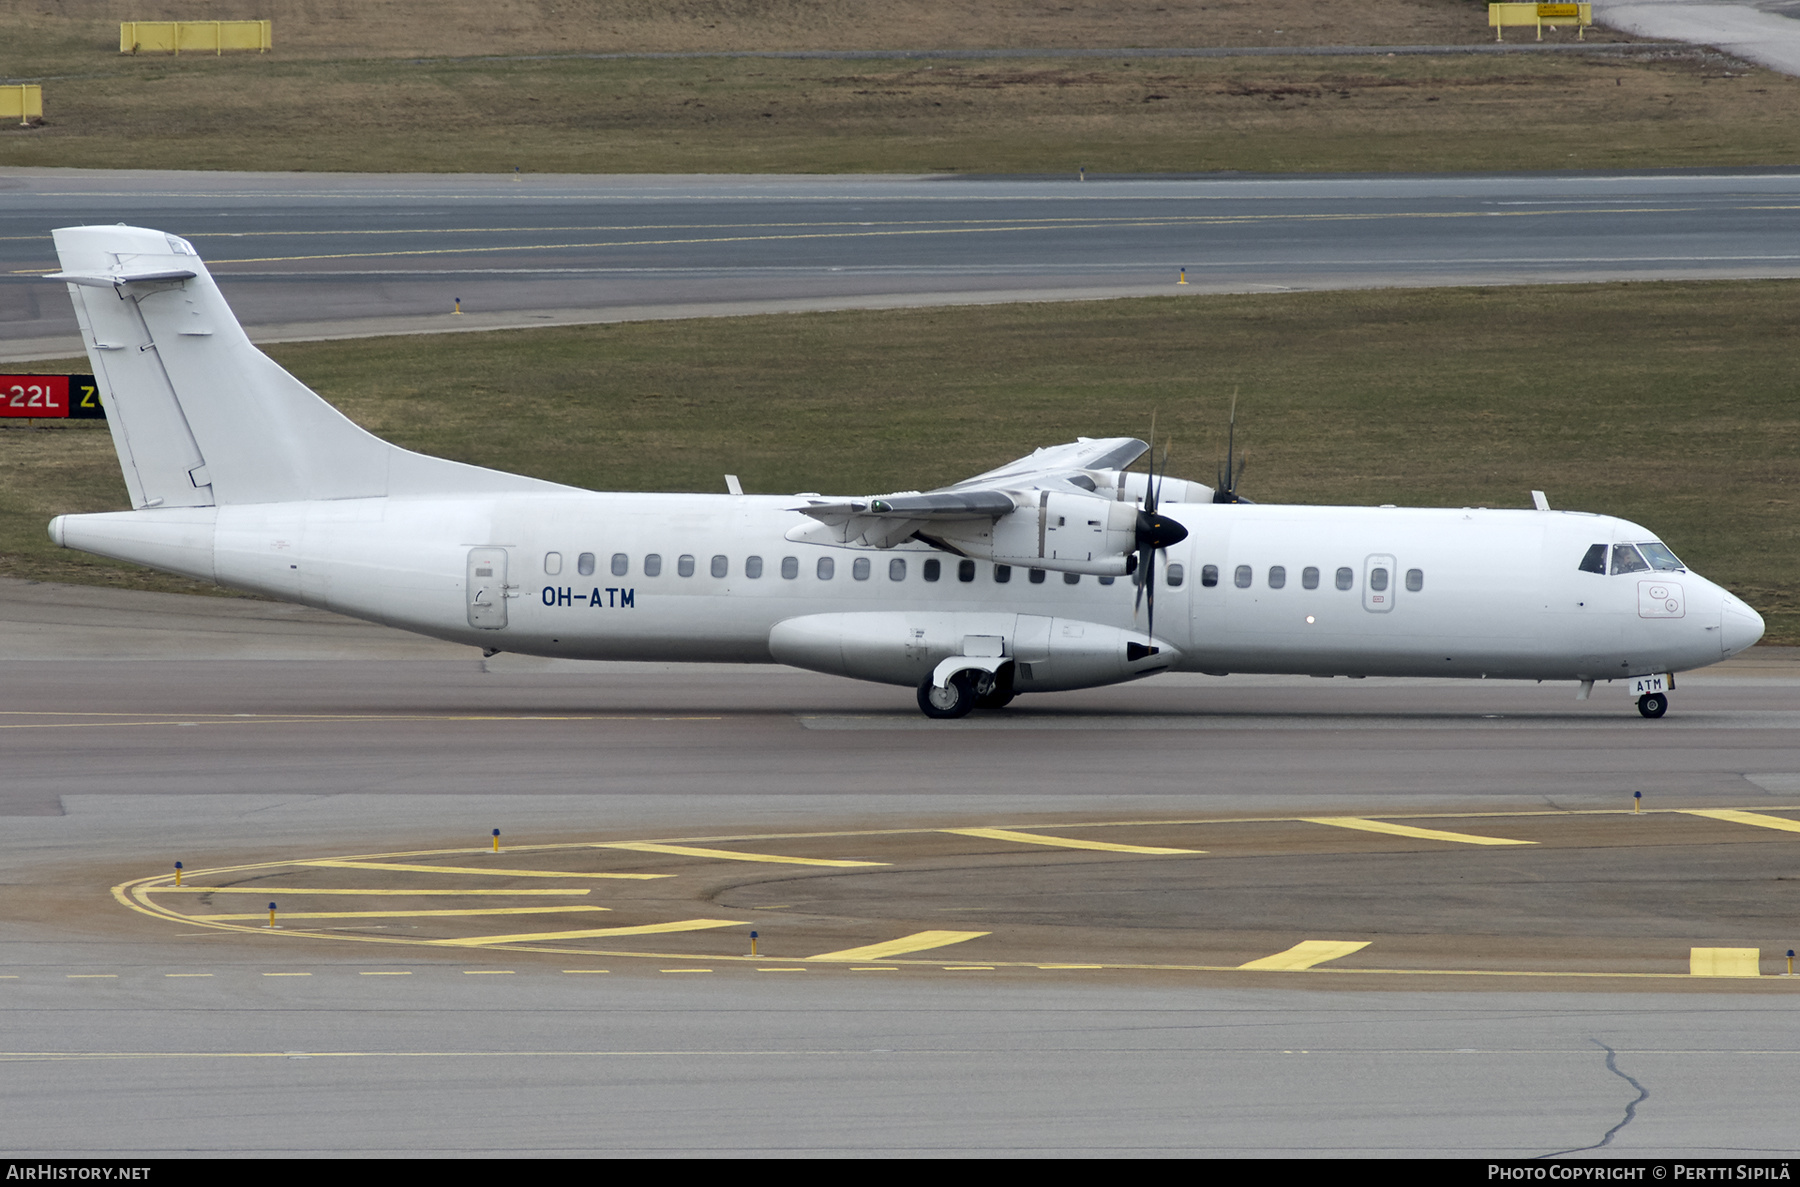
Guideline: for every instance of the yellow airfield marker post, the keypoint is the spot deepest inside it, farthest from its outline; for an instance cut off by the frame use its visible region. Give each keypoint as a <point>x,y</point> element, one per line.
<point>271,914</point>
<point>178,873</point>
<point>496,840</point>
<point>1637,802</point>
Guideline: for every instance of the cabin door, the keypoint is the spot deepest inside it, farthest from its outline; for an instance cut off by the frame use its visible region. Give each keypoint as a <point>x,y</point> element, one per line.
<point>486,588</point>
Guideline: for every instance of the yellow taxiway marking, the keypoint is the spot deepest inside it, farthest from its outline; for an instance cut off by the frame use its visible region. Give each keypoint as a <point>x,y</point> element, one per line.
<point>1003,834</point>
<point>1737,816</point>
<point>1049,967</point>
<point>727,855</point>
<point>383,973</point>
<point>487,972</point>
<point>584,972</point>
<point>917,942</point>
<point>268,890</point>
<point>287,974</point>
<point>1725,962</point>
<point>781,970</point>
<point>878,968</point>
<point>404,868</point>
<point>403,914</point>
<point>92,976</point>
<point>187,974</point>
<point>646,929</point>
<point>1306,954</point>
<point>1407,830</point>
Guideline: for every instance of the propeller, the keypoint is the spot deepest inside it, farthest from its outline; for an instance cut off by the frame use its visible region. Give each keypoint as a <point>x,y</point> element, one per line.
<point>1154,532</point>
<point>1226,490</point>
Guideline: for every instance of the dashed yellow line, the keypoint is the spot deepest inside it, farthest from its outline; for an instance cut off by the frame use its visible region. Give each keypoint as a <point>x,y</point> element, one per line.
<point>1306,954</point>
<point>1003,834</point>
<point>1407,830</point>
<point>399,867</point>
<point>917,942</point>
<point>264,891</point>
<point>1737,816</point>
<point>724,855</point>
<point>648,929</point>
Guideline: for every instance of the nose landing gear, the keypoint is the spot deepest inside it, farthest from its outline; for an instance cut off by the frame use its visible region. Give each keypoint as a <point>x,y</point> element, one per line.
<point>1653,704</point>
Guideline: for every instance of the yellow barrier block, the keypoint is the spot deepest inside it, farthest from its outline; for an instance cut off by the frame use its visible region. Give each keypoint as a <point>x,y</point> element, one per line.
<point>26,102</point>
<point>1725,962</point>
<point>171,37</point>
<point>1502,16</point>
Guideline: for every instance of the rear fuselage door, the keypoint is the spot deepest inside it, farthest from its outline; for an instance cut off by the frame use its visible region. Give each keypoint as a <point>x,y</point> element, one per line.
<point>486,588</point>
<point>1378,584</point>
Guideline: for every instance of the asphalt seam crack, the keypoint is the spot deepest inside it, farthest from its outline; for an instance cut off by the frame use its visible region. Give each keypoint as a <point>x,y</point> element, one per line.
<point>1643,1094</point>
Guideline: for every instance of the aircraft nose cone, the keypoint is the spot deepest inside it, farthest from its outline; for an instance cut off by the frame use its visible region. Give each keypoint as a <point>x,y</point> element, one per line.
<point>1739,626</point>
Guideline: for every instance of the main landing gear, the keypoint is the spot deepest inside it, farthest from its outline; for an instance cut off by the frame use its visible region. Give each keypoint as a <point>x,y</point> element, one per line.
<point>1653,704</point>
<point>966,691</point>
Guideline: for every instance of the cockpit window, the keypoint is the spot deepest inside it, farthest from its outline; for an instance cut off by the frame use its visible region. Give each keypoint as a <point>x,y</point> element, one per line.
<point>1595,560</point>
<point>1627,560</point>
<point>1660,558</point>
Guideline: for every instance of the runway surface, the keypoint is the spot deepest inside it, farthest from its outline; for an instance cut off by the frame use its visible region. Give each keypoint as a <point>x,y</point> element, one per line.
<point>320,256</point>
<point>137,730</point>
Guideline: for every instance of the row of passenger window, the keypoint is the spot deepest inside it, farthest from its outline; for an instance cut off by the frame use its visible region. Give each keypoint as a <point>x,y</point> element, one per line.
<point>1245,577</point>
<point>932,569</point>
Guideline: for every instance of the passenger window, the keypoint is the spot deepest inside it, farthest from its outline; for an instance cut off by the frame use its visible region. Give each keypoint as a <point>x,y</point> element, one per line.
<point>1627,560</point>
<point>1415,580</point>
<point>1243,577</point>
<point>1071,578</point>
<point>1036,575</point>
<point>1309,578</point>
<point>859,568</point>
<point>827,568</point>
<point>1378,579</point>
<point>653,565</point>
<point>753,567</point>
<point>1277,576</point>
<point>621,564</point>
<point>584,564</point>
<point>553,563</point>
<point>1176,575</point>
<point>1346,578</point>
<point>684,565</point>
<point>1002,574</point>
<point>790,567</point>
<point>965,570</point>
<point>896,570</point>
<point>720,566</point>
<point>1595,560</point>
<point>933,569</point>
<point>1209,575</point>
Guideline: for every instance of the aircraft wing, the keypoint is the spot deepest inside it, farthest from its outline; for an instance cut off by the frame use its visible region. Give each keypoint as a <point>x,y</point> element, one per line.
<point>1083,453</point>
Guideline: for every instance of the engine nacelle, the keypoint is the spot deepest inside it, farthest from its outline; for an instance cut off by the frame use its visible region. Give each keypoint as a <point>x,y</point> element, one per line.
<point>897,647</point>
<point>1070,533</point>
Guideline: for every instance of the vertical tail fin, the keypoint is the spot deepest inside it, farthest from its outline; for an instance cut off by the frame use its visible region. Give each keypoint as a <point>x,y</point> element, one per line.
<point>199,416</point>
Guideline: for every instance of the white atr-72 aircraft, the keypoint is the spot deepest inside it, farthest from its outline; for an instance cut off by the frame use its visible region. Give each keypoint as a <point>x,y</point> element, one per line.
<point>1007,583</point>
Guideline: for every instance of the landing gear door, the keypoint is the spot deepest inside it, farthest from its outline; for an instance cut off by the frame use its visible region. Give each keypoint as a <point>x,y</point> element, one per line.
<point>1378,584</point>
<point>486,588</point>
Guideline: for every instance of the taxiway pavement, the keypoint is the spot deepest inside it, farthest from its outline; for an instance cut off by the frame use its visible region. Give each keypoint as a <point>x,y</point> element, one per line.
<point>326,256</point>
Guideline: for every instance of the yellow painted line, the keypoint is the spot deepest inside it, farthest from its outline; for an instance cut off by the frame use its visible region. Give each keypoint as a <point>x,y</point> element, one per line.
<point>585,972</point>
<point>1735,816</point>
<point>287,974</point>
<point>92,976</point>
<point>643,930</point>
<point>685,970</point>
<point>880,968</point>
<point>404,914</point>
<point>917,942</point>
<point>487,972</point>
<point>1306,954</point>
<point>1407,830</point>
<point>268,890</point>
<point>1002,834</point>
<point>1725,962</point>
<point>968,968</point>
<point>781,970</point>
<point>1071,966</point>
<point>187,974</point>
<point>728,855</point>
<point>491,873</point>
<point>377,974</point>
